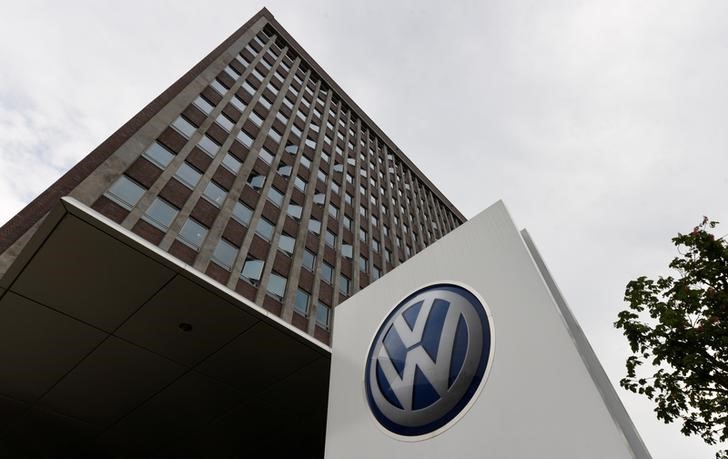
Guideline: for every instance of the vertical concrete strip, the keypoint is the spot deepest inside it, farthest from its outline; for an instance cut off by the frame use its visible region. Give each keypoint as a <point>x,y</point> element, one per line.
<point>601,380</point>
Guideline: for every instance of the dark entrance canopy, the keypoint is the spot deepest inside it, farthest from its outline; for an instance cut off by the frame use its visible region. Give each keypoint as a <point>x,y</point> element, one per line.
<point>110,347</point>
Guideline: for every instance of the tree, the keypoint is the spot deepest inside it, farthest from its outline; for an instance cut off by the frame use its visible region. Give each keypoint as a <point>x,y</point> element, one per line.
<point>677,328</point>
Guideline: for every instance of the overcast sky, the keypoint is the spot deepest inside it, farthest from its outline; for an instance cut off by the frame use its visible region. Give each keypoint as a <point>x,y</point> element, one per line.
<point>602,125</point>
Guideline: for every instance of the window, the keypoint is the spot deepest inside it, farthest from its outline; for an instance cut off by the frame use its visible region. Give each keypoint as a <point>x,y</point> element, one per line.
<point>299,183</point>
<point>188,175</point>
<point>158,155</point>
<point>265,155</point>
<point>327,272</point>
<point>363,263</point>
<point>323,316</point>
<point>231,71</point>
<point>245,139</point>
<point>125,192</point>
<point>284,171</point>
<point>314,226</point>
<point>224,122</point>
<point>217,86</point>
<point>242,213</point>
<point>309,259</point>
<point>335,187</point>
<point>192,233</point>
<point>248,88</point>
<point>330,239</point>
<point>292,149</point>
<point>238,103</point>
<point>286,243</point>
<point>321,175</point>
<point>347,222</point>
<point>348,198</point>
<point>311,143</point>
<point>294,211</point>
<point>160,214</point>
<point>215,194</point>
<point>208,145</point>
<point>264,229</point>
<point>277,286</point>
<point>388,255</point>
<point>202,103</point>
<point>305,162</point>
<point>362,235</point>
<point>376,273</point>
<point>265,102</point>
<point>224,254</point>
<point>242,60</point>
<point>257,120</point>
<point>375,245</point>
<point>252,270</point>
<point>275,196</point>
<point>333,211</point>
<point>275,135</point>
<point>256,181</point>
<point>184,127</point>
<point>301,302</point>
<point>319,198</point>
<point>231,163</point>
<point>344,284</point>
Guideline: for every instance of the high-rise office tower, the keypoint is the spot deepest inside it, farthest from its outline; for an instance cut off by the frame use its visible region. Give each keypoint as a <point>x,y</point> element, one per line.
<point>258,170</point>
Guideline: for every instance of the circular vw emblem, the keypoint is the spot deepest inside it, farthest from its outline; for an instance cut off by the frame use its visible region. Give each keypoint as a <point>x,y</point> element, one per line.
<point>428,360</point>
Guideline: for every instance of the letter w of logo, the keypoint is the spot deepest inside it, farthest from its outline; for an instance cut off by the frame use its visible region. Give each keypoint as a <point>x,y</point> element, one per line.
<point>419,344</point>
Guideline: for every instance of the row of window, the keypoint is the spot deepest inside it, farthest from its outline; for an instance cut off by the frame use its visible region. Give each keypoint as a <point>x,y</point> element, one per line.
<point>311,143</point>
<point>268,158</point>
<point>276,197</point>
<point>276,287</point>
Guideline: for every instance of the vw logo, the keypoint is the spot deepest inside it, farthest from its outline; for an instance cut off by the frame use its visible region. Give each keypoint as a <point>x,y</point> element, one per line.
<point>428,361</point>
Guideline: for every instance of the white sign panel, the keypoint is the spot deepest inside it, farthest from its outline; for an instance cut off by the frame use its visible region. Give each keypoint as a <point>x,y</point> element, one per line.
<point>463,352</point>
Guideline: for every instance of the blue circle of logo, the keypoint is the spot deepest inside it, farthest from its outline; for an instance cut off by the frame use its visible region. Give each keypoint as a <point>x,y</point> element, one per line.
<point>428,360</point>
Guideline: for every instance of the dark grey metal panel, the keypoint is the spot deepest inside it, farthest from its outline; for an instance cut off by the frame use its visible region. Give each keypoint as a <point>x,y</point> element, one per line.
<point>146,385</point>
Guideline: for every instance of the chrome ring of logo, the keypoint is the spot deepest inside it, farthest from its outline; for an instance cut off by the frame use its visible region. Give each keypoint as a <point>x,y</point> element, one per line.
<point>428,361</point>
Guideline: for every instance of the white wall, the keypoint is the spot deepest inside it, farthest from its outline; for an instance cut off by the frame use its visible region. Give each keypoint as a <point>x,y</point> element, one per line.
<point>539,400</point>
